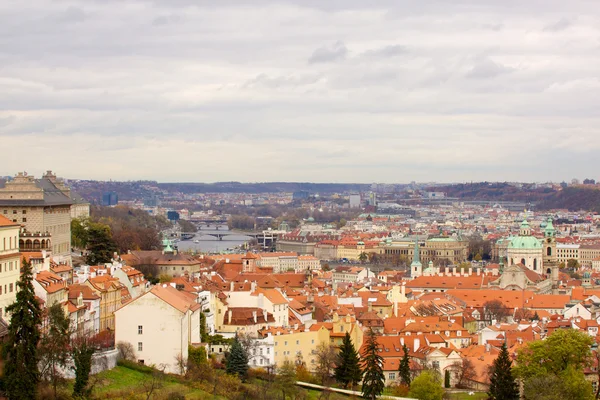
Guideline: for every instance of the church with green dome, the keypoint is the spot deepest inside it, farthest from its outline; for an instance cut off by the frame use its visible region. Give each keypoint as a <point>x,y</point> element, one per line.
<point>525,249</point>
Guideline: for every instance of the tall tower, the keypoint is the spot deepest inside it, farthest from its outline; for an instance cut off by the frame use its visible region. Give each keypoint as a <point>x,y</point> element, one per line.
<point>550,259</point>
<point>416,268</point>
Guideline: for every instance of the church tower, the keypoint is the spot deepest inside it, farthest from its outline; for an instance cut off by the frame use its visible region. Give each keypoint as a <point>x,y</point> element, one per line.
<point>550,257</point>
<point>416,268</point>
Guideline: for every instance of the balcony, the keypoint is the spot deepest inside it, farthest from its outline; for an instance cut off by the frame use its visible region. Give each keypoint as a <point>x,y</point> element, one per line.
<point>30,241</point>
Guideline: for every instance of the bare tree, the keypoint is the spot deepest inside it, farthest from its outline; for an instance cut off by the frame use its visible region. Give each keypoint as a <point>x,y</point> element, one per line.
<point>464,372</point>
<point>155,381</point>
<point>126,351</point>
<point>326,356</point>
<point>181,363</point>
<point>495,309</point>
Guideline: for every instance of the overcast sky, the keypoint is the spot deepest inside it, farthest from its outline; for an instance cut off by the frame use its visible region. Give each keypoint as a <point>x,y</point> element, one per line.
<point>301,90</point>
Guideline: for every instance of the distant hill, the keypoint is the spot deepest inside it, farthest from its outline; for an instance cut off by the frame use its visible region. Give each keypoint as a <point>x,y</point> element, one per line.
<point>573,198</point>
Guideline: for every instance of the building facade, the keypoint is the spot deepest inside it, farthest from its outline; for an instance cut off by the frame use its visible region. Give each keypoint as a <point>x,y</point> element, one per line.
<point>10,263</point>
<point>43,208</point>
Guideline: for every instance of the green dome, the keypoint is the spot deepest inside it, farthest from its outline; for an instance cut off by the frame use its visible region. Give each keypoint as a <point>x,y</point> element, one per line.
<point>311,219</point>
<point>586,275</point>
<point>524,242</point>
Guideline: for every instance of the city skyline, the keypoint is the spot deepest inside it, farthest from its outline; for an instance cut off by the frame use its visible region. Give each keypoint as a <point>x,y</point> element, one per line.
<point>301,91</point>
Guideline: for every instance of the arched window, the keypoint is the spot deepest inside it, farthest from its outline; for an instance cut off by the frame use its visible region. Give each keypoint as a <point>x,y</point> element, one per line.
<point>36,244</point>
<point>523,261</point>
<point>549,251</point>
<point>535,264</point>
<point>549,271</point>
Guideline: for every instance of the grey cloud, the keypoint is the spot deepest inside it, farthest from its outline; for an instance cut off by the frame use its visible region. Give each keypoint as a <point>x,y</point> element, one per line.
<point>559,25</point>
<point>72,14</point>
<point>387,51</point>
<point>335,52</point>
<point>487,68</point>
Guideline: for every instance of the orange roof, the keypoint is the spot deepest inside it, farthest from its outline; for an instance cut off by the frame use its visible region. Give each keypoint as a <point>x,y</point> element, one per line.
<point>7,222</point>
<point>175,298</point>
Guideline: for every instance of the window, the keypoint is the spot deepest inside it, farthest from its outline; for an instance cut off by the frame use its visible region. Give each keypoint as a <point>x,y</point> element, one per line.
<point>0,289</point>
<point>141,362</point>
<point>24,212</point>
<point>24,219</point>
<point>140,329</point>
<point>268,350</point>
<point>10,287</point>
<point>392,375</point>
<point>14,211</point>
<point>285,343</point>
<point>297,342</point>
<point>140,346</point>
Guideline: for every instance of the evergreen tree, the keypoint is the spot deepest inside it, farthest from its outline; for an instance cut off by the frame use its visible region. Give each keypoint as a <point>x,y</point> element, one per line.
<point>374,380</point>
<point>446,379</point>
<point>502,383</point>
<point>20,349</point>
<point>82,350</point>
<point>100,244</point>
<point>237,360</point>
<point>404,368</point>
<point>54,345</point>
<point>347,370</point>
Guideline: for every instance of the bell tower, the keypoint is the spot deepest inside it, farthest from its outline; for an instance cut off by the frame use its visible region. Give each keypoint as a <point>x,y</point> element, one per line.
<point>416,268</point>
<point>550,258</point>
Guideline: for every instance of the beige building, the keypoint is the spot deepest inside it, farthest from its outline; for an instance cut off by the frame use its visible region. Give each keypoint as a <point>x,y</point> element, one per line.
<point>160,325</point>
<point>452,250</point>
<point>43,208</point>
<point>566,252</point>
<point>10,263</point>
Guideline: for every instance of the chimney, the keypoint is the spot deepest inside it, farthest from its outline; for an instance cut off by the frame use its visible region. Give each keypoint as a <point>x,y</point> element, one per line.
<point>254,316</point>
<point>231,286</point>
<point>470,271</point>
<point>265,315</point>
<point>403,290</point>
<point>261,300</point>
<point>447,271</point>
<point>229,313</point>
<point>487,347</point>
<point>253,286</point>
<point>395,309</point>
<point>478,271</point>
<point>402,340</point>
<point>369,306</point>
<point>417,344</point>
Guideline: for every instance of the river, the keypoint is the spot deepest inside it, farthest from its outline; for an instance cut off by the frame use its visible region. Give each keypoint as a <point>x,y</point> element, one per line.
<point>203,242</point>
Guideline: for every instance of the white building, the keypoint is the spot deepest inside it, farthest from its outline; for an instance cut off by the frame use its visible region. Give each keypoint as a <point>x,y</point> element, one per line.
<point>160,324</point>
<point>10,263</point>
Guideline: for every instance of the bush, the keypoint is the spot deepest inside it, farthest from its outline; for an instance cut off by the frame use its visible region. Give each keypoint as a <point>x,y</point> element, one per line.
<point>399,390</point>
<point>126,351</point>
<point>136,366</point>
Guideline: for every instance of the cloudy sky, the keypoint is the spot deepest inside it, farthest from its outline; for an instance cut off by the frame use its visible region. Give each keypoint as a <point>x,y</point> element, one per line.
<point>301,90</point>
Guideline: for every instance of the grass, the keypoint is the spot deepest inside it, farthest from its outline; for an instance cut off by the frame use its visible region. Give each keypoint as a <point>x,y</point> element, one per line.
<point>123,382</point>
<point>466,396</point>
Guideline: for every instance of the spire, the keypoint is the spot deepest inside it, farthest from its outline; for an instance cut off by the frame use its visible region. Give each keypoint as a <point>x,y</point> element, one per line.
<point>416,254</point>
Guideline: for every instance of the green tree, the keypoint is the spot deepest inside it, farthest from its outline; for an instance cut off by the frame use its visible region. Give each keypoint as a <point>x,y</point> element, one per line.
<point>374,380</point>
<point>54,345</point>
<point>564,348</point>
<point>286,379</point>
<point>404,368</point>
<point>447,379</point>
<point>502,382</point>
<point>362,257</point>
<point>79,237</point>
<point>347,370</point>
<point>570,384</point>
<point>21,374</point>
<point>237,360</point>
<point>573,264</point>
<point>100,245</point>
<point>82,350</point>
<point>426,386</point>
<point>203,332</point>
<point>196,356</point>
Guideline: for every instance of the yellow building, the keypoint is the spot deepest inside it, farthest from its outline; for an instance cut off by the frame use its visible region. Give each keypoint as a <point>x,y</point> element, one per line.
<point>337,330</point>
<point>352,251</point>
<point>10,263</point>
<point>302,345</point>
<point>109,290</point>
